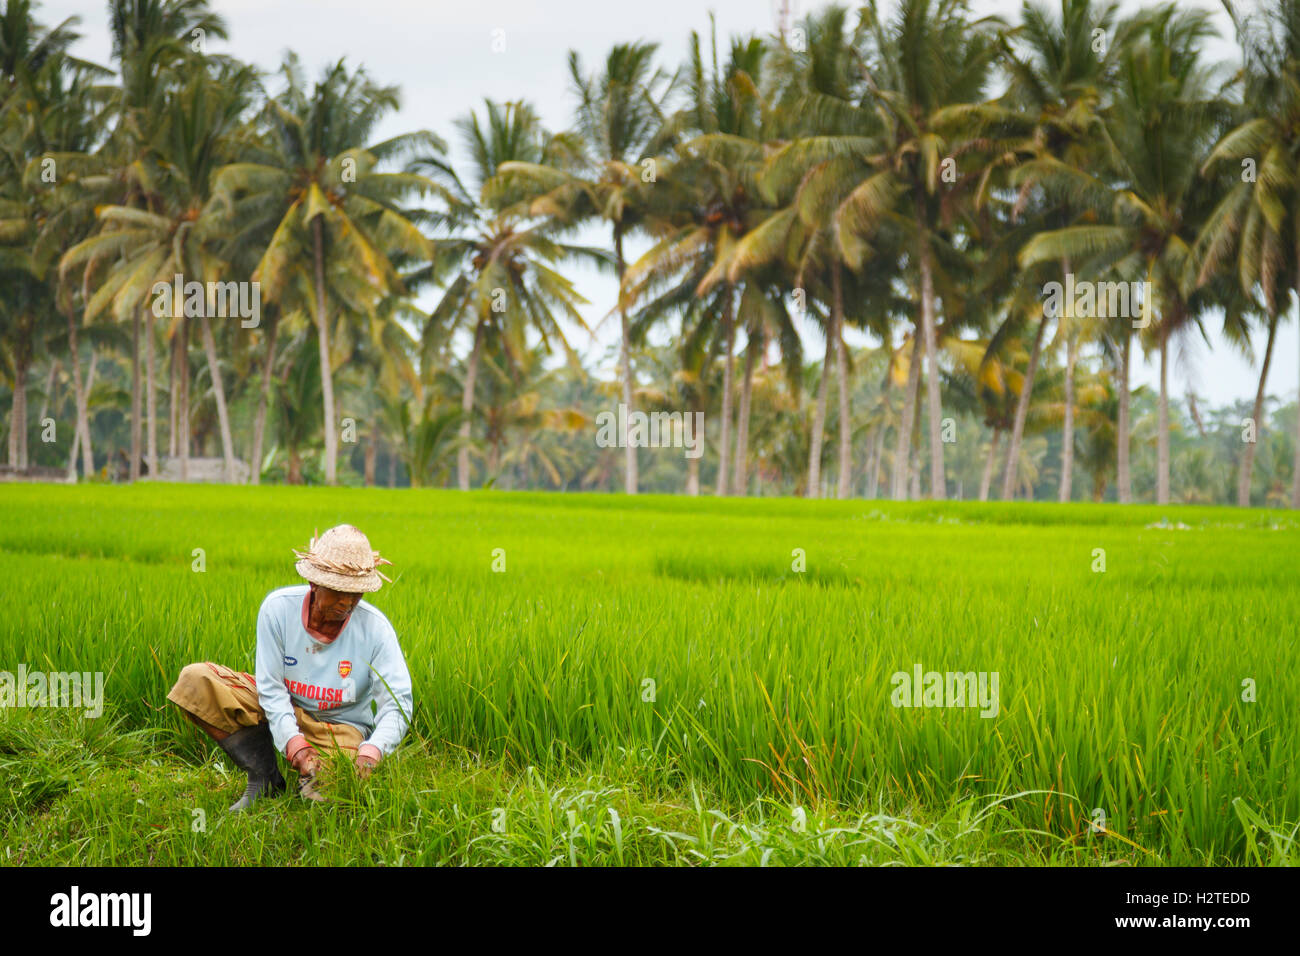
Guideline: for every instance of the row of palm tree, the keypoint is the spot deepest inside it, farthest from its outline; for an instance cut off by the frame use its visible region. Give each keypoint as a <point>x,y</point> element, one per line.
<point>915,173</point>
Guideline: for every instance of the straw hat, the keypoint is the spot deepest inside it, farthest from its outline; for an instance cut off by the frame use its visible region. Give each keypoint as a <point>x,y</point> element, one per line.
<point>341,559</point>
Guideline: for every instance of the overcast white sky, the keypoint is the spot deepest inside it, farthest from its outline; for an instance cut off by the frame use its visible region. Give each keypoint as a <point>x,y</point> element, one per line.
<point>441,54</point>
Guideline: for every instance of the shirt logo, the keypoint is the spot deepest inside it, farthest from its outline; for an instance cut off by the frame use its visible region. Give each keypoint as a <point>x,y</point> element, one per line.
<point>290,661</point>
<point>345,668</point>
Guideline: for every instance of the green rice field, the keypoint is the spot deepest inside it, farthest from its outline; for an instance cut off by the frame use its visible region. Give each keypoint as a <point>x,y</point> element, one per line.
<point>655,681</point>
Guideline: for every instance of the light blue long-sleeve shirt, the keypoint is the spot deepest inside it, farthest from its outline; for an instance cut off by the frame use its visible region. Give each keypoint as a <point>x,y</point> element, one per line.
<point>334,682</point>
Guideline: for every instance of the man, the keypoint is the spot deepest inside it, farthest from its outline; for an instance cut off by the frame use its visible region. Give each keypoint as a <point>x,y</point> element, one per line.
<point>323,656</point>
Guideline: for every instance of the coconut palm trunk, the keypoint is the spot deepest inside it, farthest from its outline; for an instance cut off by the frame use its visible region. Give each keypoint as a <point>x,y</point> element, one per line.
<point>18,417</point>
<point>322,332</point>
<point>183,412</point>
<point>48,391</point>
<point>819,416</point>
<point>219,391</point>
<point>1009,473</point>
<point>915,472</point>
<point>729,333</point>
<point>871,460</point>
<point>902,454</point>
<point>1162,440</point>
<point>136,424</point>
<point>372,453</point>
<point>986,480</point>
<point>150,398</point>
<point>741,484</point>
<point>878,435</point>
<point>845,483</point>
<point>173,386</point>
<point>11,452</point>
<point>23,461</point>
<point>1124,485</point>
<point>877,453</point>
<point>88,461</point>
<point>263,397</point>
<point>1248,453</point>
<point>467,407</point>
<point>630,471</point>
<point>693,477</point>
<point>1067,432</point>
<point>937,491</point>
<point>81,436</point>
<point>1295,469</point>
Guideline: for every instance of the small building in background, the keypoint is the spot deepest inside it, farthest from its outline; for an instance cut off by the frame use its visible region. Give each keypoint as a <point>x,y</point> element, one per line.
<point>211,470</point>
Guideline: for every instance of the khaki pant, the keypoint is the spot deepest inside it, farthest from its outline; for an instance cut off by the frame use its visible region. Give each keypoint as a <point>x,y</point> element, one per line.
<point>227,700</point>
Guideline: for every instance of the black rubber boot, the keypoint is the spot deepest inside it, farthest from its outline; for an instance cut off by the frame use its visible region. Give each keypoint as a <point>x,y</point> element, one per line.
<point>253,752</point>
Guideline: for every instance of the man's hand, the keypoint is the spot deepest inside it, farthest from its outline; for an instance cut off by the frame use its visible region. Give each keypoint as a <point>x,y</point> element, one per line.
<point>365,763</point>
<point>306,761</point>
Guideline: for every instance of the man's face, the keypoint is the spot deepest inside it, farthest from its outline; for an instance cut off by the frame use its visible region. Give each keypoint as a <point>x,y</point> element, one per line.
<point>334,607</point>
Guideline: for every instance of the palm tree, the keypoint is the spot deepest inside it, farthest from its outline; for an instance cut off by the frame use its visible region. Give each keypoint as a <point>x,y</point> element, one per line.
<point>154,45</point>
<point>518,420</point>
<point>879,415</point>
<point>51,116</point>
<point>760,264</point>
<point>765,316</point>
<point>622,123</point>
<point>339,208</point>
<point>931,56</point>
<point>684,376</point>
<point>821,85</point>
<point>1097,411</point>
<point>1255,229</point>
<point>27,46</point>
<point>1058,75</point>
<point>503,260</point>
<point>1166,123</point>
<point>297,397</point>
<point>152,247</point>
<point>33,64</point>
<point>1163,122</point>
<point>982,381</point>
<point>706,199</point>
<point>912,88</point>
<point>68,106</point>
<point>430,440</point>
<point>26,296</point>
<point>383,365</point>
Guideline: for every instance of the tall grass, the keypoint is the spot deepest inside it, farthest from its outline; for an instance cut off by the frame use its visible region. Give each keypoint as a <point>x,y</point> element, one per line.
<point>673,639</point>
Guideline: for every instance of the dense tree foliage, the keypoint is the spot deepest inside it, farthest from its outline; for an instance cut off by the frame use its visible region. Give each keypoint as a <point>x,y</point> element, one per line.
<point>1007,212</point>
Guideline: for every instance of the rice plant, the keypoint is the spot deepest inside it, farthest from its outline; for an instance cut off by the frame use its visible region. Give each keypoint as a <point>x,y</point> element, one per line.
<point>664,681</point>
